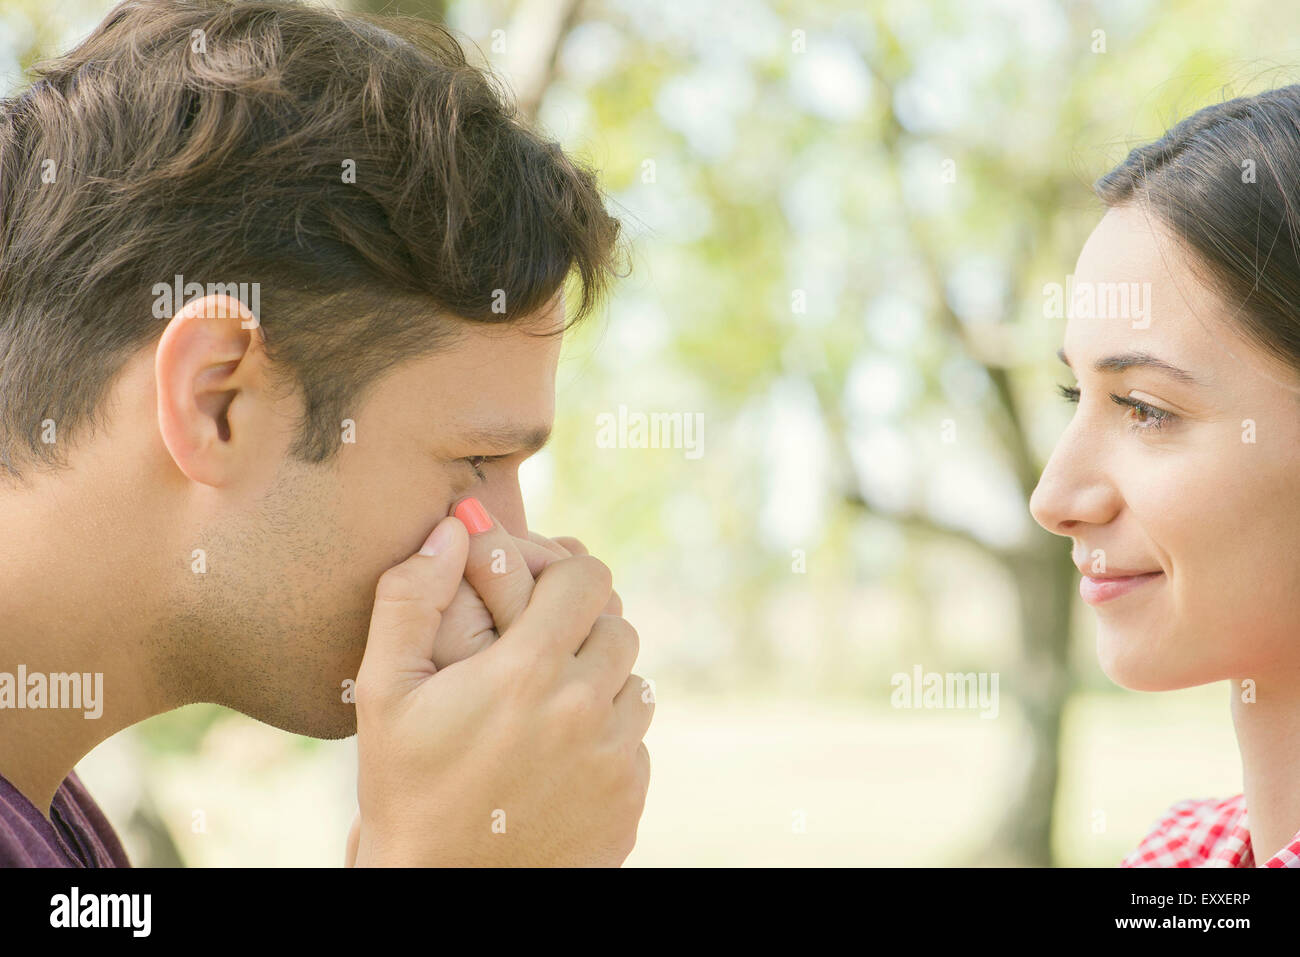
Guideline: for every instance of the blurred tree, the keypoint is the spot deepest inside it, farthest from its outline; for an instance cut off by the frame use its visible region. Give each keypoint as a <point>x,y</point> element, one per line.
<point>804,184</point>
<point>1040,566</point>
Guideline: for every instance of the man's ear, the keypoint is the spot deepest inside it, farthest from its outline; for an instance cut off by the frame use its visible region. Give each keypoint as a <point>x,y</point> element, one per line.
<point>209,368</point>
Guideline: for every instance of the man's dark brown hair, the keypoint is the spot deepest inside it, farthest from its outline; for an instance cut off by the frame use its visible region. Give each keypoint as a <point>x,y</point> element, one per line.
<point>214,140</point>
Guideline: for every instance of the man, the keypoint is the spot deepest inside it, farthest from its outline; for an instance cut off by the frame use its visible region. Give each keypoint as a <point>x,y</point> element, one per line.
<point>280,288</point>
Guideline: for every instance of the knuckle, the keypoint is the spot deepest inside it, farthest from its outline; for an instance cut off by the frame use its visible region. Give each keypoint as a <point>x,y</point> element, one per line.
<point>516,667</point>
<point>555,546</point>
<point>618,638</point>
<point>629,760</point>
<point>642,769</point>
<point>578,702</point>
<point>627,633</point>
<point>595,571</point>
<point>522,668</point>
<point>639,690</point>
<point>635,684</point>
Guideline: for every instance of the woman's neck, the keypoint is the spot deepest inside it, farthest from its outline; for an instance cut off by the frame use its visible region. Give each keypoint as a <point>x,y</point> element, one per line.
<point>1266,715</point>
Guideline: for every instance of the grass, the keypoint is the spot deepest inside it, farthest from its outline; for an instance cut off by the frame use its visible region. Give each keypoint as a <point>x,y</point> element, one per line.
<point>771,782</point>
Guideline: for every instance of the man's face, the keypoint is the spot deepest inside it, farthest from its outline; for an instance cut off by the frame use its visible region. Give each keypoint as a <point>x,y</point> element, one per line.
<point>291,581</point>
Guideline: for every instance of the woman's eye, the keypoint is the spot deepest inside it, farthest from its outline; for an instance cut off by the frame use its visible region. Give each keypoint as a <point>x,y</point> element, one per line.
<point>476,462</point>
<point>1145,417</point>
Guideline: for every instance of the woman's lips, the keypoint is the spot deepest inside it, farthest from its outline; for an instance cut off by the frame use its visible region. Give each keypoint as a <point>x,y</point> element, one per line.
<point>1097,590</point>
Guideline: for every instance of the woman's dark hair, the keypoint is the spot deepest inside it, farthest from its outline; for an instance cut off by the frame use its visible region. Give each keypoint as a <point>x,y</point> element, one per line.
<point>1226,182</point>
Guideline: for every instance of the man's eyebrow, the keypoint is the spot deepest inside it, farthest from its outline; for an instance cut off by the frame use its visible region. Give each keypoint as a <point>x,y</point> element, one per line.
<point>1127,360</point>
<point>506,440</point>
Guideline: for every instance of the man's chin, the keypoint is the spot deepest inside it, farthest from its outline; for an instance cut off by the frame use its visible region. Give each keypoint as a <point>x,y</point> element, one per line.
<point>342,726</point>
<point>336,720</point>
<point>325,730</point>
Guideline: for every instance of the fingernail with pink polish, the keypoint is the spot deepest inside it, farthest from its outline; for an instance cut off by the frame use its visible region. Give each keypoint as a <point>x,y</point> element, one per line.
<point>473,515</point>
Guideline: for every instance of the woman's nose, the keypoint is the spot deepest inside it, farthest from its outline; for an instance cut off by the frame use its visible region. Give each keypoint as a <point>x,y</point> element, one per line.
<point>1074,489</point>
<point>1047,505</point>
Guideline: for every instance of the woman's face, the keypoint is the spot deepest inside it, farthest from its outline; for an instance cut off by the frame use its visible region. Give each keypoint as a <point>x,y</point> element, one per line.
<point>1202,494</point>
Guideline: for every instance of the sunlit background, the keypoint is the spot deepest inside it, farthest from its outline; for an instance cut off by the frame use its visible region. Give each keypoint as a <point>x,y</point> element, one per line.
<point>842,218</point>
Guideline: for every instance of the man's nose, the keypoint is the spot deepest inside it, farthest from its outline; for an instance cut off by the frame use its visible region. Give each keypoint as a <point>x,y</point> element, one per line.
<point>506,503</point>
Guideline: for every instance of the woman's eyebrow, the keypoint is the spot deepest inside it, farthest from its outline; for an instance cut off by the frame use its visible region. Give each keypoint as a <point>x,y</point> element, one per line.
<point>1127,360</point>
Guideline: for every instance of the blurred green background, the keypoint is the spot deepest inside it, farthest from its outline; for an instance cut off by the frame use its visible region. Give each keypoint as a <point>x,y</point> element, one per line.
<point>842,217</point>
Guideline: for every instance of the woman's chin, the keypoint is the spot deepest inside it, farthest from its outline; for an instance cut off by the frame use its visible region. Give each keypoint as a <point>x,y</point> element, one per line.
<point>1136,663</point>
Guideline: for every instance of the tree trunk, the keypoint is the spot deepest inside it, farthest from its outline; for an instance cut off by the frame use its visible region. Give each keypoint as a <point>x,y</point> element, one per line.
<point>1045,577</point>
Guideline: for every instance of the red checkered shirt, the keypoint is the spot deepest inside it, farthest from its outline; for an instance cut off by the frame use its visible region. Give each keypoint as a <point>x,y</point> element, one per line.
<point>1206,832</point>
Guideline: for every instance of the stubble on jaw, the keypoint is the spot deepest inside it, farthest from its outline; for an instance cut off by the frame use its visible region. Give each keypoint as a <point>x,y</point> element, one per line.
<point>275,625</point>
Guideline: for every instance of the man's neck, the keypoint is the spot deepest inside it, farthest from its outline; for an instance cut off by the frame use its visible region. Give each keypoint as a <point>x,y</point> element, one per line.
<point>1268,736</point>
<point>68,607</point>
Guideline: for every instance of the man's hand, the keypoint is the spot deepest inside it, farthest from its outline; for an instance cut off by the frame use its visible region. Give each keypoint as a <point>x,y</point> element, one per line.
<point>528,753</point>
<point>467,626</point>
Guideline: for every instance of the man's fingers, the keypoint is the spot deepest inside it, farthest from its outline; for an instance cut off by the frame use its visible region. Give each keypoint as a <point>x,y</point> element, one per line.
<point>571,545</point>
<point>495,566</point>
<point>409,601</point>
<point>610,652</point>
<point>635,706</point>
<point>537,555</point>
<point>564,546</point>
<point>568,597</point>
<point>467,625</point>
<point>550,544</point>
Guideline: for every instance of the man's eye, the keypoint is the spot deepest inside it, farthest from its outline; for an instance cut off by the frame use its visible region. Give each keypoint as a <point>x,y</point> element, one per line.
<point>476,462</point>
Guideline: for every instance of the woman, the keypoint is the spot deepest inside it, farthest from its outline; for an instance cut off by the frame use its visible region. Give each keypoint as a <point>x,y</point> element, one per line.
<point>1178,478</point>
